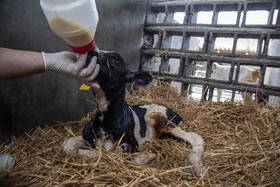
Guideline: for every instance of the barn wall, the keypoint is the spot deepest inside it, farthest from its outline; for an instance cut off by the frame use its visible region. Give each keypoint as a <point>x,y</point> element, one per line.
<point>47,97</point>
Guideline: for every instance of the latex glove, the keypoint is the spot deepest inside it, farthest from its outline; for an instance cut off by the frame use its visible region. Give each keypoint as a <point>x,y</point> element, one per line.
<point>72,65</point>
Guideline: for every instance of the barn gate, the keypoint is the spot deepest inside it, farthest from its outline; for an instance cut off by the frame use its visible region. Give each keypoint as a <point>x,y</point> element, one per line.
<point>182,44</point>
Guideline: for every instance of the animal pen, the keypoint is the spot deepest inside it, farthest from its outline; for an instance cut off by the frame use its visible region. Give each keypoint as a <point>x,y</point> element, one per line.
<point>242,139</point>
<point>168,43</point>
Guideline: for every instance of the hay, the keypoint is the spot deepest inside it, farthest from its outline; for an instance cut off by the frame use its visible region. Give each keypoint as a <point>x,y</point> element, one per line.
<point>242,148</point>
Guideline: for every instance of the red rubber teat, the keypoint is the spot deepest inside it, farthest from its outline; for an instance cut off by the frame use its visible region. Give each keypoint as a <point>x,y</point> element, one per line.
<point>83,49</point>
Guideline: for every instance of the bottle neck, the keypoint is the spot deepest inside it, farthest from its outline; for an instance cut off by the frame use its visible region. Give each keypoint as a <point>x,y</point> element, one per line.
<point>83,49</point>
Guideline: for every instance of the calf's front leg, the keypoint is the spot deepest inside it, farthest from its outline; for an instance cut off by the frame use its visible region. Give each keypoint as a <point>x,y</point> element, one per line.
<point>76,144</point>
<point>73,144</point>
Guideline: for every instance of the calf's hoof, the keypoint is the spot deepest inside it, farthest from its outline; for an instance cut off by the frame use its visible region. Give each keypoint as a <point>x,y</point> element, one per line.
<point>73,144</point>
<point>145,158</point>
<point>196,164</point>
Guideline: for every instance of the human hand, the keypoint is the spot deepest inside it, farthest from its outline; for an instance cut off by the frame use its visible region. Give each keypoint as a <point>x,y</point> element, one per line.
<point>72,65</point>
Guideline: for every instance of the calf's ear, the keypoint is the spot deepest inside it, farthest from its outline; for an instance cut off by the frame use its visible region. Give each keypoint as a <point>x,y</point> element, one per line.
<point>141,78</point>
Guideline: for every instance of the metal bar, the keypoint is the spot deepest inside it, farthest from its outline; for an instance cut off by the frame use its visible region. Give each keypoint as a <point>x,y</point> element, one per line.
<point>265,90</point>
<point>192,15</point>
<point>164,65</point>
<point>211,43</point>
<point>208,69</point>
<point>184,89</point>
<point>244,15</point>
<point>188,67</point>
<point>271,12</point>
<point>204,93</point>
<point>259,45</point>
<point>239,11</point>
<point>234,43</point>
<point>191,28</point>
<point>163,3</point>
<point>215,15</point>
<point>182,65</point>
<point>236,78</point>
<point>187,14</point>
<point>266,44</point>
<point>233,94</point>
<point>211,91</point>
<point>205,43</point>
<point>261,76</point>
<point>231,72</point>
<point>186,42</point>
<point>244,60</point>
<point>160,40</point>
<point>169,16</point>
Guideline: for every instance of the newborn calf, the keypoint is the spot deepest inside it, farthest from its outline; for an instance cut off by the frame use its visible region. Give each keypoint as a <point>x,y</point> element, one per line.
<point>134,125</point>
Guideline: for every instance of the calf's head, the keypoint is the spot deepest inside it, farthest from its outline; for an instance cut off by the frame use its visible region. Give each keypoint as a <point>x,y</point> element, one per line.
<point>114,73</point>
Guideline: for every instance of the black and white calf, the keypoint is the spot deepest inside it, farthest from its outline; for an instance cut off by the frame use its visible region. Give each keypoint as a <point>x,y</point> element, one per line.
<point>134,124</point>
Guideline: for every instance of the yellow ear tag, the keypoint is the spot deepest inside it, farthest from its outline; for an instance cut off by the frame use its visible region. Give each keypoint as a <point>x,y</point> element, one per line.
<point>84,87</point>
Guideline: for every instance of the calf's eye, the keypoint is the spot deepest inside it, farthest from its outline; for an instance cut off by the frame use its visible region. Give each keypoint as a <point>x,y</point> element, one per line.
<point>117,62</point>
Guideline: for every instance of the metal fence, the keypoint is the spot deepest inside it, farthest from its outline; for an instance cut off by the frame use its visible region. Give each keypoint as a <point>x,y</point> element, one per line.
<point>185,51</point>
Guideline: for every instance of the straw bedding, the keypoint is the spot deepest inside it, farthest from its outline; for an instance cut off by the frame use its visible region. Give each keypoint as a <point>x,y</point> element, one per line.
<point>242,148</point>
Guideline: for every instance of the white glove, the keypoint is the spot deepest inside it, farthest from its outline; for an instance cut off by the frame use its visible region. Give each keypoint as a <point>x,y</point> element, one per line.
<point>72,65</point>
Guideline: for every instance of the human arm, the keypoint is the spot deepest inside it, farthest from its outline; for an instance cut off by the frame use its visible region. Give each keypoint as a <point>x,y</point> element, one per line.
<point>15,63</point>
